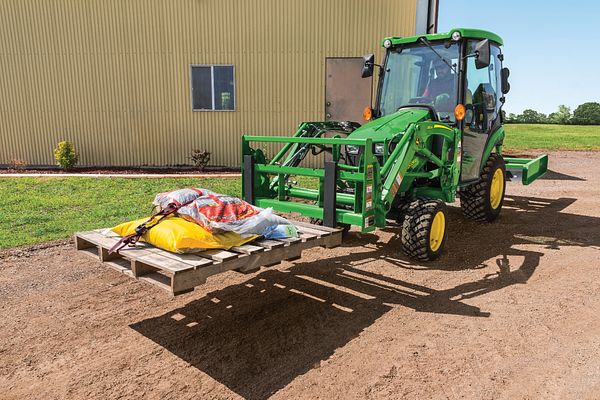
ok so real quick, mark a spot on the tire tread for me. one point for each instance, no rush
(474, 198)
(417, 217)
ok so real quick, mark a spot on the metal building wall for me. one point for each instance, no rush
(113, 75)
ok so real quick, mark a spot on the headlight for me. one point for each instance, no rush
(387, 43)
(352, 149)
(456, 36)
(379, 149)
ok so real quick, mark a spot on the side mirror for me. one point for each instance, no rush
(504, 73)
(482, 51)
(367, 70)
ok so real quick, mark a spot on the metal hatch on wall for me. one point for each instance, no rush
(346, 93)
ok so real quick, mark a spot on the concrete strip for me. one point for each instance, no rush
(120, 175)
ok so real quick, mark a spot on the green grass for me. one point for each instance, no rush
(35, 210)
(552, 137)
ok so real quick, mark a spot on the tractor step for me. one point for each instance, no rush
(181, 273)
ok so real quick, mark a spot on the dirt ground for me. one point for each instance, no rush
(511, 311)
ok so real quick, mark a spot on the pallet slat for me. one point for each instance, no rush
(321, 228)
(307, 237)
(289, 240)
(220, 255)
(269, 244)
(248, 249)
(312, 231)
(191, 259)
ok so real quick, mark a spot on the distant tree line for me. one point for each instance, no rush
(585, 114)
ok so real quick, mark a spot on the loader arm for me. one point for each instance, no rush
(408, 160)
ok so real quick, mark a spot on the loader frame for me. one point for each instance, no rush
(373, 187)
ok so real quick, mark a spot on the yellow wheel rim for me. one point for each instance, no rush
(436, 234)
(497, 189)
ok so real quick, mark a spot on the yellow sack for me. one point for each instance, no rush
(178, 235)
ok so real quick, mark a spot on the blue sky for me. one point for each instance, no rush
(551, 47)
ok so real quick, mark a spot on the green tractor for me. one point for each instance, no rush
(435, 130)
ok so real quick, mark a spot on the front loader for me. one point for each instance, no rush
(434, 131)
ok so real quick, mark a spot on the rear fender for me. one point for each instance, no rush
(494, 143)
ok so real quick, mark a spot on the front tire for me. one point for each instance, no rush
(424, 229)
(482, 201)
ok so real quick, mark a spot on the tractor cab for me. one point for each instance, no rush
(457, 76)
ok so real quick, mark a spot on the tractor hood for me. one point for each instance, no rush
(386, 127)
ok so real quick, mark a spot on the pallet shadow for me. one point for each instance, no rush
(524, 220)
(257, 337)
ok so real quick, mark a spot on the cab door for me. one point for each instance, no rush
(346, 93)
(482, 103)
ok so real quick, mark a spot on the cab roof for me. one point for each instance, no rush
(464, 32)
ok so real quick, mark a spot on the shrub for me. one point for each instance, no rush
(200, 158)
(65, 154)
(17, 164)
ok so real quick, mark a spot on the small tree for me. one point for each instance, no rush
(562, 116)
(511, 118)
(587, 114)
(530, 116)
(65, 154)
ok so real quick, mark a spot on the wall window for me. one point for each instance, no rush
(213, 88)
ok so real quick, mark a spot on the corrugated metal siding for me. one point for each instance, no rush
(113, 75)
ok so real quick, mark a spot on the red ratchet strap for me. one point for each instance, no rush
(131, 240)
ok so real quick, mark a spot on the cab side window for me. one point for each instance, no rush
(482, 95)
(482, 103)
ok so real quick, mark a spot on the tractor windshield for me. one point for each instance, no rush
(417, 75)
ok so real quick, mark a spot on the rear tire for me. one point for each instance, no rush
(482, 201)
(424, 229)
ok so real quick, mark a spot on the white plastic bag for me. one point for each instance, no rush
(217, 212)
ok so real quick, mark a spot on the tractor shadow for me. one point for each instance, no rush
(258, 336)
(524, 220)
(557, 176)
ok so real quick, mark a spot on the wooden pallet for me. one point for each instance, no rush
(181, 273)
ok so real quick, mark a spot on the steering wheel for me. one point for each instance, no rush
(421, 100)
(432, 112)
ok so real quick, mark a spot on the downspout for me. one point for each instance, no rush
(432, 16)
